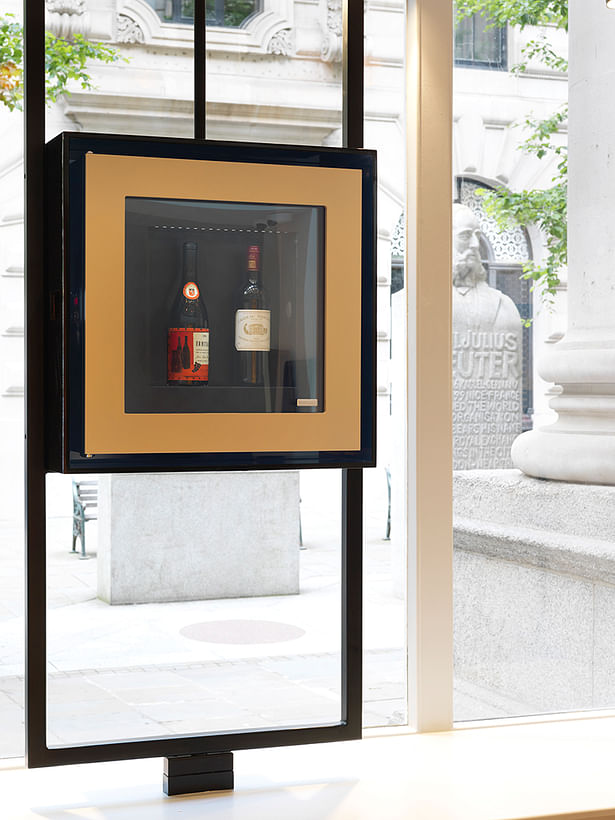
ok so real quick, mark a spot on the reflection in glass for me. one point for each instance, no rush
(226, 13)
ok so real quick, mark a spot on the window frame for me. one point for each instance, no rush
(502, 40)
(180, 19)
(38, 752)
(429, 84)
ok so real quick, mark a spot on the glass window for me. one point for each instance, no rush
(227, 13)
(178, 622)
(530, 634)
(266, 652)
(479, 43)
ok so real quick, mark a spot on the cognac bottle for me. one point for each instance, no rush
(252, 324)
(188, 332)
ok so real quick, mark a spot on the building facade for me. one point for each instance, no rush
(275, 75)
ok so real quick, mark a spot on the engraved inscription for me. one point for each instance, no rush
(487, 356)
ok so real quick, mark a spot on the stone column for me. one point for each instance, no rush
(580, 445)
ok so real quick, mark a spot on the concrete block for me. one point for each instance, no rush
(198, 536)
(524, 632)
(604, 647)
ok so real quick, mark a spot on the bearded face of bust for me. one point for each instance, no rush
(468, 269)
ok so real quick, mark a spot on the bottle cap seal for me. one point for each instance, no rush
(191, 290)
(254, 253)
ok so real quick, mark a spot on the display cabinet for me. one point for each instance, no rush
(211, 305)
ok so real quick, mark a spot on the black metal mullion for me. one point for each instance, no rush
(200, 69)
(353, 73)
(353, 56)
(352, 600)
(34, 230)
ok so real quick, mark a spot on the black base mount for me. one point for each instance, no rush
(198, 773)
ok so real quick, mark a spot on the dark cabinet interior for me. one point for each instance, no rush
(291, 242)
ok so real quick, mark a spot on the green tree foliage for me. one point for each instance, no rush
(65, 60)
(545, 208)
(517, 12)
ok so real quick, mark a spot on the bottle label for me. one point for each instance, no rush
(188, 354)
(191, 290)
(252, 329)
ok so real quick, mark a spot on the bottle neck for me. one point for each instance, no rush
(254, 258)
(189, 261)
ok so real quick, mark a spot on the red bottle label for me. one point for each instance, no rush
(188, 354)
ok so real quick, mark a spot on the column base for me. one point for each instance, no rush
(563, 455)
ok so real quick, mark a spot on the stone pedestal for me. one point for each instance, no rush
(534, 592)
(580, 445)
(198, 536)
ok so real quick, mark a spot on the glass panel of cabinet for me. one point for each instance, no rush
(224, 307)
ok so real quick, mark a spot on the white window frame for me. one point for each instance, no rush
(429, 73)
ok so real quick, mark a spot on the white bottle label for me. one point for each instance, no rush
(201, 347)
(252, 329)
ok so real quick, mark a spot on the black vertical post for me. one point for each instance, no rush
(34, 148)
(352, 598)
(200, 61)
(35, 255)
(352, 74)
(352, 479)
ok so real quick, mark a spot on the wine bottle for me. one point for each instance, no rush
(188, 330)
(252, 324)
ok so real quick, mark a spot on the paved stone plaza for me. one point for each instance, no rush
(150, 670)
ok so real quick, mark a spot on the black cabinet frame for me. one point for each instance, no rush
(37, 308)
(65, 369)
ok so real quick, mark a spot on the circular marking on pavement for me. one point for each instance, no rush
(242, 632)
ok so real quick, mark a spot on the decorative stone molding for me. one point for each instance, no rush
(332, 29)
(262, 33)
(128, 31)
(65, 18)
(66, 6)
(282, 43)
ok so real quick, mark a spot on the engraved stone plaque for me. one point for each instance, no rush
(487, 358)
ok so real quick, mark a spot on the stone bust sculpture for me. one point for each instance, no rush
(476, 305)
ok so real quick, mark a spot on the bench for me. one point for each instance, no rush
(85, 508)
